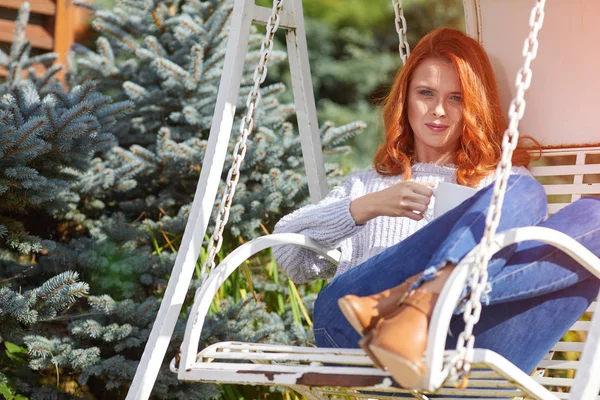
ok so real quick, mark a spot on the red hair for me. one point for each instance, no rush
(484, 121)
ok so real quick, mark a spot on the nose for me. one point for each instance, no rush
(438, 109)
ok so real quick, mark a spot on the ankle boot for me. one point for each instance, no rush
(398, 341)
(363, 312)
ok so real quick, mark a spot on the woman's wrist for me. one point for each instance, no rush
(362, 210)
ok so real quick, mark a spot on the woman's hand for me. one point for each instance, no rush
(400, 200)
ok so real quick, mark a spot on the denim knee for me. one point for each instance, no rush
(529, 193)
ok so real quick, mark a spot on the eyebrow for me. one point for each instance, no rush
(433, 90)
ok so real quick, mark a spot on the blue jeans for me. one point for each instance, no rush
(537, 291)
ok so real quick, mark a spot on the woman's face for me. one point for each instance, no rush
(435, 110)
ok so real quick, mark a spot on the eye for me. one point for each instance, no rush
(456, 98)
(425, 92)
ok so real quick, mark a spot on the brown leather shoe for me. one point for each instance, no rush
(363, 312)
(398, 341)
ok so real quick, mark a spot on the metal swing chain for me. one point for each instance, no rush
(401, 28)
(478, 275)
(246, 127)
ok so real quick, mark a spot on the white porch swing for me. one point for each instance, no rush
(564, 130)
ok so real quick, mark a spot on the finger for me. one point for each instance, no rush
(422, 190)
(414, 216)
(413, 206)
(419, 198)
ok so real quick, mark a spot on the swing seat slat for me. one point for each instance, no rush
(292, 365)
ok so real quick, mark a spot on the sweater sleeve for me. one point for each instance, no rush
(329, 222)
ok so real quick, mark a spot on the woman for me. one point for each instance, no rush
(443, 123)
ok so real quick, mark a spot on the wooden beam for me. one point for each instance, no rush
(46, 7)
(64, 34)
(39, 37)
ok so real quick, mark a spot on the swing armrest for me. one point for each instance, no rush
(252, 247)
(207, 291)
(450, 296)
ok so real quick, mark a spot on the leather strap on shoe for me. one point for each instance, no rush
(422, 301)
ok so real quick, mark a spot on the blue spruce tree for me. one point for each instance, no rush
(45, 131)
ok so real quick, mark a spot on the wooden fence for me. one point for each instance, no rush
(51, 25)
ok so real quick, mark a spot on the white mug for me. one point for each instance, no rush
(447, 196)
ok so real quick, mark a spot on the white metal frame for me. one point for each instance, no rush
(244, 14)
(206, 293)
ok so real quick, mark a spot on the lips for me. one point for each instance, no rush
(436, 127)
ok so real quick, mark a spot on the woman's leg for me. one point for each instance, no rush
(456, 232)
(540, 292)
(524, 331)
